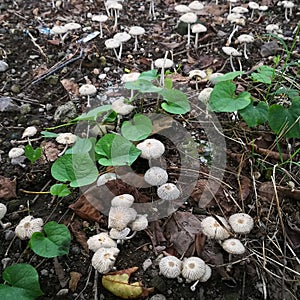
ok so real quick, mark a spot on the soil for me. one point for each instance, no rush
(270, 267)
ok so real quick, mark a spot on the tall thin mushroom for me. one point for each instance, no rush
(189, 18)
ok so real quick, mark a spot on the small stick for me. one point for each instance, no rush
(33, 39)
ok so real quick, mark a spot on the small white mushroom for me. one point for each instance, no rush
(152, 13)
(288, 5)
(3, 210)
(66, 138)
(101, 19)
(239, 10)
(27, 226)
(140, 223)
(16, 156)
(245, 39)
(163, 63)
(122, 108)
(156, 176)
(232, 52)
(193, 268)
(112, 44)
(121, 37)
(151, 148)
(136, 31)
(241, 223)
(124, 200)
(182, 9)
(253, 6)
(213, 228)
(133, 76)
(197, 74)
(212, 77)
(230, 4)
(116, 7)
(170, 266)
(120, 217)
(101, 240)
(119, 235)
(189, 18)
(204, 277)
(233, 246)
(168, 191)
(198, 28)
(87, 90)
(195, 6)
(104, 259)
(29, 132)
(60, 30)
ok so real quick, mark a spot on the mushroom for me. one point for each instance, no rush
(188, 18)
(120, 217)
(70, 27)
(198, 28)
(168, 191)
(193, 268)
(3, 210)
(104, 259)
(124, 200)
(112, 44)
(66, 138)
(245, 39)
(216, 228)
(102, 179)
(253, 6)
(60, 30)
(212, 77)
(151, 148)
(120, 235)
(203, 278)
(152, 10)
(230, 4)
(232, 52)
(239, 10)
(87, 90)
(204, 95)
(140, 223)
(170, 266)
(101, 19)
(121, 37)
(156, 176)
(122, 108)
(29, 132)
(16, 156)
(136, 31)
(116, 7)
(241, 223)
(27, 226)
(101, 240)
(197, 73)
(195, 6)
(233, 246)
(272, 28)
(133, 76)
(288, 5)
(182, 9)
(163, 63)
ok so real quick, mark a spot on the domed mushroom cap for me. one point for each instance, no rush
(122, 108)
(197, 73)
(112, 44)
(28, 226)
(207, 274)
(241, 223)
(29, 131)
(204, 95)
(240, 10)
(58, 29)
(3, 210)
(100, 18)
(168, 191)
(193, 268)
(189, 18)
(104, 259)
(122, 37)
(245, 38)
(213, 229)
(212, 77)
(101, 240)
(196, 5)
(136, 30)
(15, 152)
(163, 63)
(140, 223)
(231, 51)
(253, 5)
(72, 26)
(66, 138)
(156, 176)
(102, 179)
(120, 217)
(124, 200)
(87, 89)
(119, 234)
(170, 266)
(130, 77)
(198, 28)
(182, 9)
(151, 148)
(114, 5)
(233, 246)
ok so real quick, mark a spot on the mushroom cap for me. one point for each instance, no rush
(168, 191)
(253, 5)
(124, 200)
(241, 223)
(122, 108)
(140, 223)
(130, 77)
(120, 217)
(288, 4)
(136, 30)
(213, 76)
(102, 179)
(112, 44)
(104, 259)
(213, 229)
(119, 234)
(163, 63)
(87, 89)
(72, 26)
(207, 274)
(114, 5)
(234, 16)
(204, 95)
(27, 226)
(122, 37)
(170, 266)
(58, 29)
(101, 240)
(182, 9)
(189, 18)
(196, 5)
(199, 73)
(66, 138)
(231, 51)
(193, 268)
(15, 152)
(272, 28)
(3, 210)
(233, 246)
(263, 7)
(29, 131)
(156, 176)
(151, 148)
(245, 38)
(197, 28)
(240, 10)
(100, 18)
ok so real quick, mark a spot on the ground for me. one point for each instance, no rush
(270, 267)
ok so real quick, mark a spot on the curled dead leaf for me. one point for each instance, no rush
(7, 188)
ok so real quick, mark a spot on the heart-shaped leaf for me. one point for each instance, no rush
(139, 129)
(143, 86)
(148, 75)
(22, 283)
(229, 76)
(56, 242)
(32, 154)
(176, 101)
(60, 190)
(93, 114)
(255, 115)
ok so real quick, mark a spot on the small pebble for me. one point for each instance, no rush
(44, 272)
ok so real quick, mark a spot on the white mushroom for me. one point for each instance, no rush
(204, 95)
(121, 37)
(288, 5)
(204, 277)
(3, 210)
(104, 259)
(122, 108)
(16, 156)
(212, 77)
(245, 39)
(136, 31)
(233, 246)
(27, 226)
(66, 138)
(60, 30)
(116, 7)
(253, 6)
(232, 52)
(156, 176)
(112, 44)
(140, 223)
(151, 148)
(188, 18)
(101, 240)
(168, 191)
(193, 268)
(230, 4)
(216, 228)
(124, 200)
(163, 63)
(133, 76)
(119, 235)
(241, 223)
(29, 132)
(239, 10)
(120, 217)
(101, 19)
(197, 74)
(87, 90)
(102, 179)
(182, 9)
(170, 266)
(198, 28)
(152, 10)
(195, 6)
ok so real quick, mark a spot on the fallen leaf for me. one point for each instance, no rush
(50, 152)
(7, 188)
(245, 187)
(118, 284)
(70, 86)
(59, 271)
(79, 234)
(74, 279)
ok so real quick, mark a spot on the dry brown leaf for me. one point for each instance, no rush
(266, 191)
(59, 271)
(200, 239)
(79, 234)
(70, 86)
(246, 186)
(74, 279)
(7, 188)
(50, 152)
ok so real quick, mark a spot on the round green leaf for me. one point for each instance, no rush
(255, 115)
(60, 190)
(176, 101)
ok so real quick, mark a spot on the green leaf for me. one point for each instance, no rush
(229, 76)
(93, 114)
(55, 243)
(263, 74)
(115, 150)
(176, 101)
(48, 134)
(291, 93)
(60, 190)
(139, 129)
(287, 119)
(143, 86)
(22, 283)
(255, 114)
(149, 75)
(168, 83)
(81, 146)
(79, 169)
(223, 98)
(32, 154)
(110, 117)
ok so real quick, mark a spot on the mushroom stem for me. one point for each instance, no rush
(116, 54)
(116, 18)
(240, 64)
(189, 34)
(136, 43)
(120, 51)
(63, 151)
(101, 31)
(193, 287)
(196, 40)
(286, 14)
(235, 29)
(252, 14)
(152, 10)
(5, 225)
(88, 102)
(245, 51)
(231, 64)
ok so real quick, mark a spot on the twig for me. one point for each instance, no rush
(33, 39)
